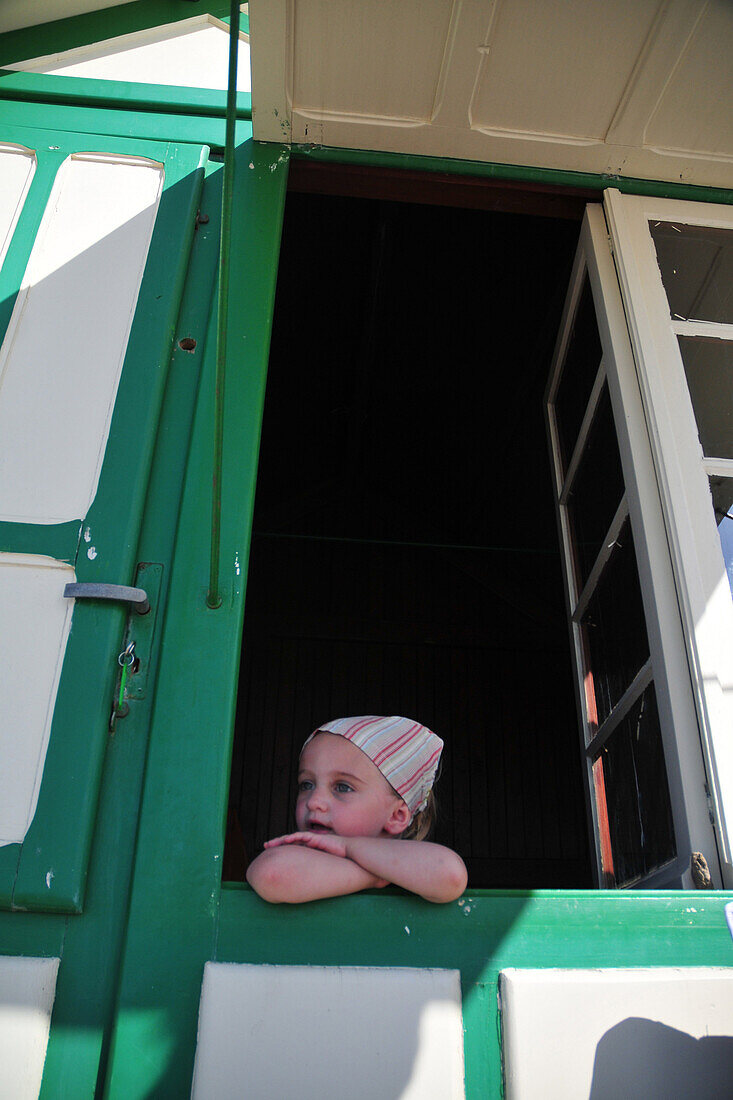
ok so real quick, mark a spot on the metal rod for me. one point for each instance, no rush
(398, 542)
(213, 596)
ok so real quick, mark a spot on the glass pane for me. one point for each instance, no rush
(582, 360)
(614, 628)
(696, 263)
(631, 773)
(709, 371)
(596, 490)
(722, 491)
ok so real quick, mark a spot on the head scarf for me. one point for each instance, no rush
(406, 753)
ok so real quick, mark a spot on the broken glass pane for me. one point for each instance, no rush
(696, 263)
(708, 364)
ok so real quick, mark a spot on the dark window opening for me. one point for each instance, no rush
(405, 555)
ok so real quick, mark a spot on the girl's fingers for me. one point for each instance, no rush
(289, 838)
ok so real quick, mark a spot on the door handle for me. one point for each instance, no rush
(138, 597)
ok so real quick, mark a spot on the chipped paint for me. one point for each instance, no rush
(87, 534)
(407, 930)
(49, 879)
(237, 566)
(92, 553)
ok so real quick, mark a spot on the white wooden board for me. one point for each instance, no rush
(639, 1034)
(17, 165)
(62, 356)
(36, 622)
(323, 1033)
(27, 991)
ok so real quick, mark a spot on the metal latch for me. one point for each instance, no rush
(138, 597)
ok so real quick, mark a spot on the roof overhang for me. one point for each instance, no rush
(616, 88)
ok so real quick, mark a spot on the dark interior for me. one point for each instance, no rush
(405, 555)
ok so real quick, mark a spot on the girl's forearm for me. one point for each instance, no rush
(292, 873)
(430, 870)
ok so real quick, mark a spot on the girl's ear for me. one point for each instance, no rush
(399, 819)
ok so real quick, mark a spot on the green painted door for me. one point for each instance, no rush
(97, 235)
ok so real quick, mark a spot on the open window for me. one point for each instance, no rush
(675, 261)
(404, 556)
(645, 768)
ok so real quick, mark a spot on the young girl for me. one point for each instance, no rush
(364, 789)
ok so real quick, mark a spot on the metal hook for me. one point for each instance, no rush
(127, 656)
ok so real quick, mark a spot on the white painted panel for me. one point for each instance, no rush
(27, 991)
(17, 165)
(604, 1034)
(322, 1033)
(566, 85)
(36, 622)
(61, 360)
(369, 71)
(559, 69)
(695, 114)
(193, 53)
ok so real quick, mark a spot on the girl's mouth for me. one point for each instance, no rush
(317, 827)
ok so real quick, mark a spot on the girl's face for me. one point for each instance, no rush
(341, 791)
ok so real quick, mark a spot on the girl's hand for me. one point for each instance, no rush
(324, 842)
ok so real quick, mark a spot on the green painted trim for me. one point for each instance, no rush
(213, 598)
(480, 935)
(97, 26)
(141, 126)
(9, 856)
(243, 22)
(54, 859)
(19, 250)
(513, 172)
(42, 936)
(119, 95)
(55, 540)
(181, 836)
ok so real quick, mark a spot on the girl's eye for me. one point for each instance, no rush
(343, 788)
(305, 785)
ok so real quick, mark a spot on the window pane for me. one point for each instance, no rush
(633, 775)
(596, 490)
(722, 491)
(696, 263)
(709, 370)
(614, 627)
(582, 360)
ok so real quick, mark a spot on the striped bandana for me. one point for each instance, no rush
(406, 753)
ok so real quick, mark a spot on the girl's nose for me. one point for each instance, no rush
(317, 799)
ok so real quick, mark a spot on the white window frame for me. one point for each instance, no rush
(668, 664)
(704, 593)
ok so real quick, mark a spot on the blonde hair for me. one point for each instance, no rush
(422, 822)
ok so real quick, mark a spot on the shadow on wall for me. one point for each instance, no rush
(645, 1060)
